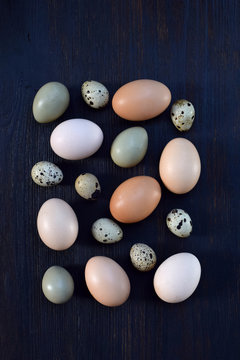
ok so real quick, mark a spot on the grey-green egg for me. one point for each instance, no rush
(143, 257)
(95, 94)
(106, 231)
(88, 186)
(50, 102)
(179, 223)
(45, 173)
(57, 285)
(182, 114)
(129, 147)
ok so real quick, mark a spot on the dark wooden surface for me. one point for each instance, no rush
(192, 47)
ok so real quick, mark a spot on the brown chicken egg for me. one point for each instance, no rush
(141, 100)
(180, 166)
(135, 199)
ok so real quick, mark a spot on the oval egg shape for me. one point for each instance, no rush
(57, 285)
(135, 199)
(177, 277)
(106, 280)
(141, 100)
(45, 173)
(129, 147)
(76, 139)
(106, 231)
(180, 166)
(50, 102)
(57, 224)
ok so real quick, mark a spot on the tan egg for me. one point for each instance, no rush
(141, 100)
(135, 199)
(87, 186)
(180, 166)
(57, 224)
(107, 281)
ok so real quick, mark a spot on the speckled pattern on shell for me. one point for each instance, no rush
(45, 173)
(179, 223)
(87, 186)
(143, 257)
(95, 94)
(183, 114)
(106, 231)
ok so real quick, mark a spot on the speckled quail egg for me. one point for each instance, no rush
(179, 223)
(45, 173)
(143, 257)
(106, 231)
(95, 94)
(182, 114)
(87, 186)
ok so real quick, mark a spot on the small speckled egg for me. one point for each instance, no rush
(106, 231)
(179, 223)
(57, 285)
(143, 257)
(182, 114)
(87, 186)
(45, 173)
(95, 94)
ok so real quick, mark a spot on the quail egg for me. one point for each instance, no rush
(45, 173)
(182, 114)
(87, 186)
(179, 223)
(143, 257)
(95, 94)
(106, 231)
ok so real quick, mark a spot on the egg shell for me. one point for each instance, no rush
(76, 139)
(87, 186)
(135, 199)
(50, 102)
(95, 94)
(141, 100)
(182, 114)
(177, 277)
(57, 285)
(179, 223)
(106, 231)
(143, 257)
(106, 280)
(57, 224)
(180, 166)
(45, 173)
(129, 147)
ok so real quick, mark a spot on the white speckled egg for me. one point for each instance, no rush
(106, 231)
(182, 114)
(45, 173)
(179, 223)
(143, 257)
(87, 186)
(95, 94)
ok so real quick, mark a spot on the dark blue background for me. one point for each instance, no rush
(192, 47)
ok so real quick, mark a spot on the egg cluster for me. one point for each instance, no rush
(132, 201)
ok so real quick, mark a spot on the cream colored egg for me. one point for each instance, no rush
(177, 277)
(87, 186)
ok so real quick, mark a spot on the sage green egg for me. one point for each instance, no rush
(129, 147)
(57, 285)
(50, 102)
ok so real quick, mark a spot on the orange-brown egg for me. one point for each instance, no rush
(141, 100)
(180, 166)
(135, 199)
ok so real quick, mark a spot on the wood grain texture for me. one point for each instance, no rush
(191, 46)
